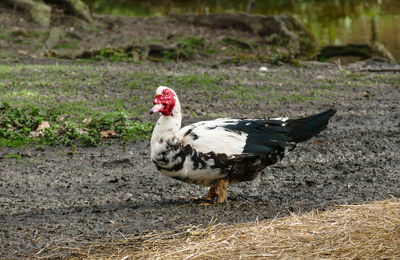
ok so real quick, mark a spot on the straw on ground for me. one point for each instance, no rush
(370, 230)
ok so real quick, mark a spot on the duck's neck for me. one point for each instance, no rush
(167, 126)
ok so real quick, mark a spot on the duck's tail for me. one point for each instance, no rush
(303, 129)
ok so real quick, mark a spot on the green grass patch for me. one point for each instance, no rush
(79, 91)
(244, 93)
(19, 127)
(326, 87)
(150, 81)
(93, 29)
(38, 33)
(239, 43)
(12, 156)
(67, 45)
(112, 54)
(186, 48)
(203, 81)
(296, 98)
(4, 142)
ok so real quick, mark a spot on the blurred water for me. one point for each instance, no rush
(331, 21)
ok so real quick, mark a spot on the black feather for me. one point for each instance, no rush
(304, 128)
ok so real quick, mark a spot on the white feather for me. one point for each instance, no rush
(213, 137)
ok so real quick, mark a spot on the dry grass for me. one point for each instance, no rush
(370, 230)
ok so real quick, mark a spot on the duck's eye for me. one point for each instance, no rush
(167, 94)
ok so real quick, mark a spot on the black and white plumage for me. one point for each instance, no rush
(217, 152)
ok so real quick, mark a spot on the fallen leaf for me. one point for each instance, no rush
(43, 126)
(84, 131)
(62, 118)
(35, 134)
(108, 133)
(321, 141)
(87, 120)
(40, 129)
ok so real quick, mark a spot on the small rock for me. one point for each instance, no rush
(263, 69)
(38, 11)
(114, 180)
(366, 94)
(22, 52)
(55, 37)
(80, 9)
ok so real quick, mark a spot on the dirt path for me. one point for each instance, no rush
(59, 197)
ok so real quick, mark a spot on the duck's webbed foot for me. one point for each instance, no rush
(218, 190)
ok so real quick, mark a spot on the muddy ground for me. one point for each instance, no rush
(56, 198)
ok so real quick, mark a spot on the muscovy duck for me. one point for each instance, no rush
(221, 151)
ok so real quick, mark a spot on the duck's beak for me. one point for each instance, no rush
(156, 108)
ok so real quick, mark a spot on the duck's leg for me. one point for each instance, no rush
(223, 185)
(212, 192)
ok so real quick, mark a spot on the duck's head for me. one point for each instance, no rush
(165, 100)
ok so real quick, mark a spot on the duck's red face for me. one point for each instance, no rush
(164, 103)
